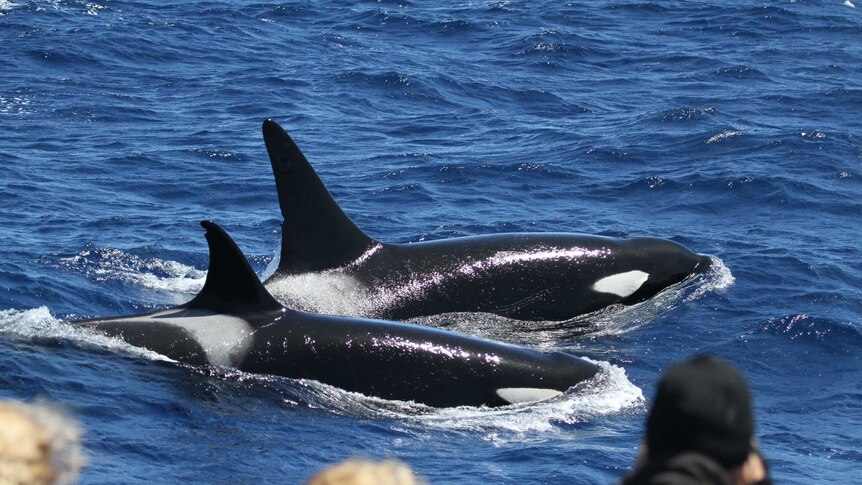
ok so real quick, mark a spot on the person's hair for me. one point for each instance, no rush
(38, 445)
(702, 404)
(366, 472)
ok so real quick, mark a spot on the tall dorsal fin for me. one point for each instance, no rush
(231, 283)
(316, 234)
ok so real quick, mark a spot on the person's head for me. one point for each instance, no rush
(38, 446)
(366, 472)
(702, 405)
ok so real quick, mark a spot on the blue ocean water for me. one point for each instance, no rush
(731, 127)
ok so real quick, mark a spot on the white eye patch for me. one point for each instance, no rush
(622, 284)
(517, 395)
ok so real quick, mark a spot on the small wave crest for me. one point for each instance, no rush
(716, 280)
(154, 273)
(332, 293)
(38, 323)
(19, 104)
(724, 135)
(608, 393)
(811, 330)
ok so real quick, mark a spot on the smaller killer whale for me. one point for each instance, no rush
(235, 322)
(530, 277)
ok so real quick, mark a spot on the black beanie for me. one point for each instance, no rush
(702, 405)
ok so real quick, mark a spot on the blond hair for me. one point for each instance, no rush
(366, 472)
(38, 445)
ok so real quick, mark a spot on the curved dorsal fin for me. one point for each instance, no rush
(316, 234)
(231, 283)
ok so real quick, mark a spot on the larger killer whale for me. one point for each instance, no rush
(533, 277)
(235, 322)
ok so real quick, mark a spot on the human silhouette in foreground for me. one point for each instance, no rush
(700, 429)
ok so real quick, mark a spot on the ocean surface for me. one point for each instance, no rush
(734, 128)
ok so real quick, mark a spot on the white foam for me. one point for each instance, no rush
(153, 273)
(92, 8)
(175, 284)
(15, 105)
(39, 323)
(330, 292)
(718, 279)
(624, 319)
(723, 136)
(334, 292)
(608, 393)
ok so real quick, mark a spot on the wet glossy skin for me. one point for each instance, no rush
(407, 362)
(520, 276)
(234, 322)
(376, 358)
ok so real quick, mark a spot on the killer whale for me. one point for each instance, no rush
(530, 276)
(235, 322)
